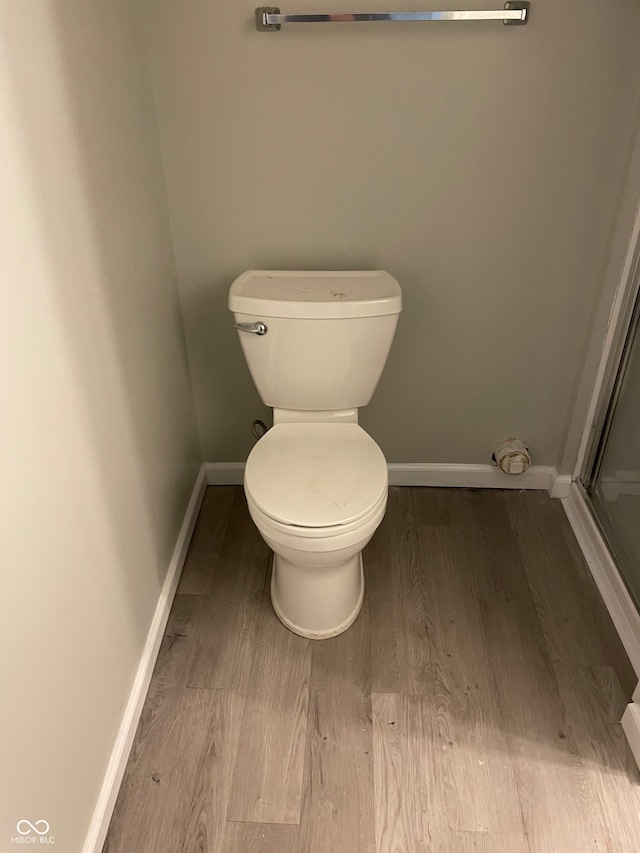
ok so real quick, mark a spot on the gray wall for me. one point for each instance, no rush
(99, 449)
(481, 165)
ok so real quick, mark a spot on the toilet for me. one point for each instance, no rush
(316, 483)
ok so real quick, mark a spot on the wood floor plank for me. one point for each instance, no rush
(615, 653)
(493, 722)
(268, 774)
(260, 838)
(562, 594)
(395, 578)
(594, 702)
(404, 791)
(478, 842)
(472, 767)
(180, 621)
(337, 809)
(548, 768)
(548, 765)
(174, 795)
(170, 672)
(197, 575)
(226, 621)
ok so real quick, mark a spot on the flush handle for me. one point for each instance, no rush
(259, 328)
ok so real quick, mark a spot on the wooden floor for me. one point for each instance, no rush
(473, 705)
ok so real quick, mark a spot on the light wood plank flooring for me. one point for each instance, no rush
(473, 706)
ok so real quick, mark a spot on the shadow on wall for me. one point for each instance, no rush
(109, 453)
(91, 144)
(117, 455)
(219, 367)
(119, 476)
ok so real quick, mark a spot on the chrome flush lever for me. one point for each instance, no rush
(255, 328)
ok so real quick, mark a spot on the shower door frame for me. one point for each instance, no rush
(598, 552)
(591, 537)
(623, 317)
(621, 335)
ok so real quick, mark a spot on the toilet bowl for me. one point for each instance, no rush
(316, 493)
(316, 484)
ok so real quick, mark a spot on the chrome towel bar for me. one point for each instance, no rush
(269, 17)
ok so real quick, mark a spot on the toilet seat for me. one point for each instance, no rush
(318, 537)
(316, 476)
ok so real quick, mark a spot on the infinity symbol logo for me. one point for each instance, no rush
(32, 828)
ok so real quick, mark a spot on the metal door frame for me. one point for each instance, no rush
(623, 323)
(608, 403)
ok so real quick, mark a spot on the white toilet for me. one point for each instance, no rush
(316, 484)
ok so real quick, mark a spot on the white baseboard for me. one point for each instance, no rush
(432, 474)
(560, 484)
(134, 704)
(467, 476)
(622, 610)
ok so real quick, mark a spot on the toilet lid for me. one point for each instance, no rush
(316, 475)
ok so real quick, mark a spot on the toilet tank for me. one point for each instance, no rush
(328, 334)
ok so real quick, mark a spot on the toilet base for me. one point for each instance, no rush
(317, 603)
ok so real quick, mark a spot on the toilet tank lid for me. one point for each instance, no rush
(315, 294)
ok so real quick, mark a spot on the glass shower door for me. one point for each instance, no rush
(614, 489)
